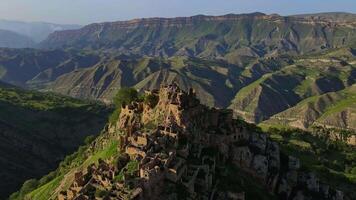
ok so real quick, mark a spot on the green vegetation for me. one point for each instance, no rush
(326, 109)
(206, 37)
(130, 169)
(101, 193)
(44, 188)
(224, 61)
(333, 161)
(236, 180)
(123, 97)
(42, 122)
(151, 100)
(38, 101)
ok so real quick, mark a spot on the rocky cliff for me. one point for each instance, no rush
(178, 148)
(210, 36)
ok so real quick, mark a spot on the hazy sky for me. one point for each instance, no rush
(88, 11)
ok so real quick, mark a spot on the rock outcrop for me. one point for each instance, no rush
(181, 147)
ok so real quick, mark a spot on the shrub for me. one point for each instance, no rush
(101, 193)
(27, 187)
(353, 171)
(114, 116)
(151, 100)
(88, 140)
(125, 96)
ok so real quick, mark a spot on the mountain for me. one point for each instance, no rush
(173, 147)
(334, 16)
(258, 65)
(256, 90)
(37, 31)
(225, 36)
(38, 130)
(333, 109)
(14, 40)
(308, 77)
(274, 71)
(97, 75)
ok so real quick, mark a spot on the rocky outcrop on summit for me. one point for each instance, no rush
(181, 147)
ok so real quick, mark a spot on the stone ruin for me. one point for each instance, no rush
(187, 146)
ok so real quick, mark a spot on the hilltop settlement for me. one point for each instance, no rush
(173, 147)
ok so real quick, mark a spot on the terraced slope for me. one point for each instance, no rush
(38, 130)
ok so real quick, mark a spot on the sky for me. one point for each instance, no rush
(90, 11)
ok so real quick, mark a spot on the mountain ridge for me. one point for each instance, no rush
(37, 31)
(209, 36)
(14, 40)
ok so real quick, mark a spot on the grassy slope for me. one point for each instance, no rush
(308, 77)
(104, 147)
(316, 109)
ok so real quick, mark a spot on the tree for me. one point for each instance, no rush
(123, 96)
(151, 100)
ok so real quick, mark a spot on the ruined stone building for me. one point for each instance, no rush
(183, 147)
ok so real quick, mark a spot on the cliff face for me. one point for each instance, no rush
(209, 36)
(180, 149)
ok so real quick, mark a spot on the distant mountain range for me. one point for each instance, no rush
(12, 39)
(226, 37)
(274, 71)
(259, 65)
(26, 34)
(257, 91)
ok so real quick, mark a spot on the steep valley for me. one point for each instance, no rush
(256, 91)
(38, 130)
(270, 100)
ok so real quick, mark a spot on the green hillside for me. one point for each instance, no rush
(308, 77)
(37, 130)
(229, 36)
(334, 109)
